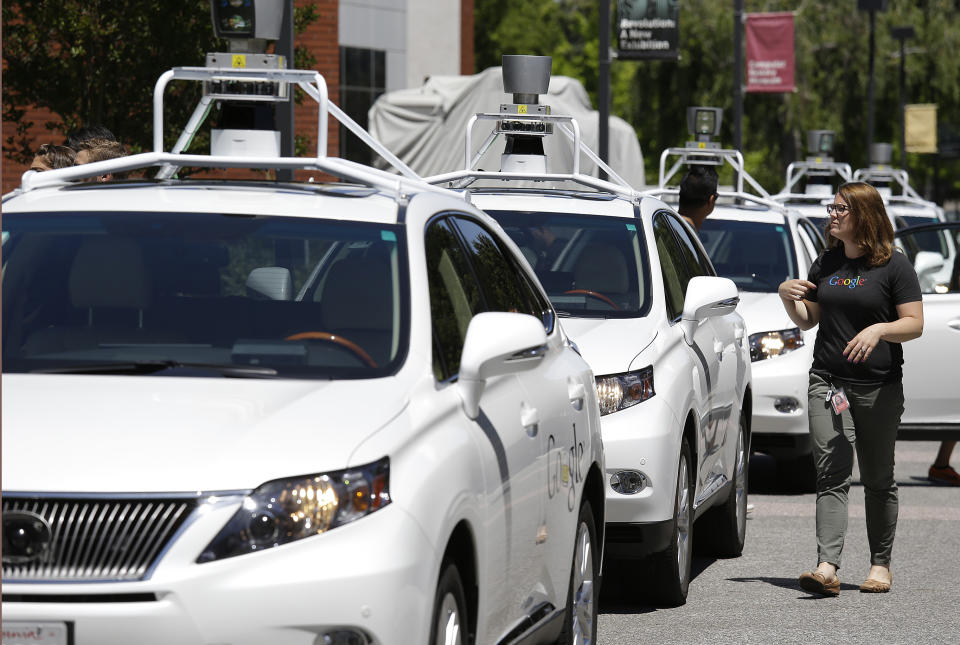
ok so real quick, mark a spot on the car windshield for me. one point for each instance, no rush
(757, 256)
(589, 265)
(202, 294)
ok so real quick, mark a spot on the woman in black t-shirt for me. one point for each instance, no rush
(866, 299)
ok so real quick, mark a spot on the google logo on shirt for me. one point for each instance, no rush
(853, 283)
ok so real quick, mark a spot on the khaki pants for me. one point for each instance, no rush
(870, 424)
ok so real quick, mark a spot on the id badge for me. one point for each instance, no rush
(839, 401)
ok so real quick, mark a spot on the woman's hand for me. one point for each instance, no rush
(795, 290)
(859, 349)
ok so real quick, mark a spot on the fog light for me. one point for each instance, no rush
(343, 637)
(628, 482)
(786, 404)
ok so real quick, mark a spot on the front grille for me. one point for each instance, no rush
(98, 539)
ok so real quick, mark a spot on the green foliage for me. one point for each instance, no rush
(96, 61)
(832, 65)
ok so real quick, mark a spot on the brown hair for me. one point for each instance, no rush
(872, 227)
(56, 156)
(105, 150)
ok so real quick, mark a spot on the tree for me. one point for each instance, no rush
(831, 66)
(96, 61)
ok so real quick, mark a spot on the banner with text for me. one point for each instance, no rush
(770, 62)
(647, 29)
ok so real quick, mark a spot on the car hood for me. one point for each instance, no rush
(763, 312)
(95, 433)
(609, 345)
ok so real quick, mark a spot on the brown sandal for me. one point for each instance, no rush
(875, 586)
(815, 582)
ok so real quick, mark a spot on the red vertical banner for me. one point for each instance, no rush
(770, 62)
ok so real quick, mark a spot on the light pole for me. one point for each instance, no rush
(873, 6)
(902, 33)
(603, 87)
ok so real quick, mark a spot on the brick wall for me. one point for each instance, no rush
(321, 38)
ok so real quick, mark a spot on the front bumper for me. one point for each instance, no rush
(644, 438)
(784, 380)
(370, 576)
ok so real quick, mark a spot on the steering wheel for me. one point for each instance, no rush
(336, 340)
(594, 294)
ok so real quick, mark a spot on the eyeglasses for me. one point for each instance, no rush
(841, 209)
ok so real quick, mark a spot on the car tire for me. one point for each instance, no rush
(671, 567)
(580, 617)
(726, 525)
(450, 624)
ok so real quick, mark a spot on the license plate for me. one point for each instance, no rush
(23, 633)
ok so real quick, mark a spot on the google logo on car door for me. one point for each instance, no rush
(853, 283)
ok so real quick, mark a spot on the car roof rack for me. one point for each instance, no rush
(814, 167)
(697, 155)
(886, 174)
(567, 125)
(311, 82)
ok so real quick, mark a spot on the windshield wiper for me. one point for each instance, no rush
(152, 367)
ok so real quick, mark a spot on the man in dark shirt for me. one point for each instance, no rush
(698, 194)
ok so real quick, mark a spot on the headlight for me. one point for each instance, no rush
(768, 344)
(617, 392)
(290, 509)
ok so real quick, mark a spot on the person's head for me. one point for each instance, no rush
(858, 217)
(698, 189)
(542, 235)
(50, 157)
(89, 137)
(104, 151)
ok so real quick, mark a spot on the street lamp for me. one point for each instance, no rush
(902, 33)
(873, 6)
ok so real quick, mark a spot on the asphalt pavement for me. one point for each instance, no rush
(756, 598)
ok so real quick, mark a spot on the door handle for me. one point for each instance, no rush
(954, 324)
(530, 419)
(577, 393)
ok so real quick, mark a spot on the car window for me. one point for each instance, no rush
(500, 280)
(937, 264)
(757, 256)
(87, 289)
(589, 265)
(676, 275)
(454, 296)
(814, 236)
(697, 262)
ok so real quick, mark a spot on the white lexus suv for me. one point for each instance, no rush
(638, 295)
(302, 413)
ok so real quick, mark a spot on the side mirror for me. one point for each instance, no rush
(927, 262)
(270, 283)
(707, 296)
(497, 343)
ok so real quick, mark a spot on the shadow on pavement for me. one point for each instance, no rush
(626, 584)
(791, 583)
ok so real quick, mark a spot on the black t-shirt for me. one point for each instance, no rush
(852, 296)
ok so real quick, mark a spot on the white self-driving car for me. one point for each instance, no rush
(758, 243)
(287, 413)
(637, 294)
(930, 369)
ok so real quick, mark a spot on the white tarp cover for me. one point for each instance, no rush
(425, 126)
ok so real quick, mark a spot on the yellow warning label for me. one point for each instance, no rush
(521, 109)
(239, 60)
(701, 144)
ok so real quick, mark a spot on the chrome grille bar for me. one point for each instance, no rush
(98, 538)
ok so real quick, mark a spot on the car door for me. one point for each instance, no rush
(533, 411)
(930, 369)
(513, 461)
(728, 334)
(703, 352)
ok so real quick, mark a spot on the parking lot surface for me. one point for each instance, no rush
(756, 598)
